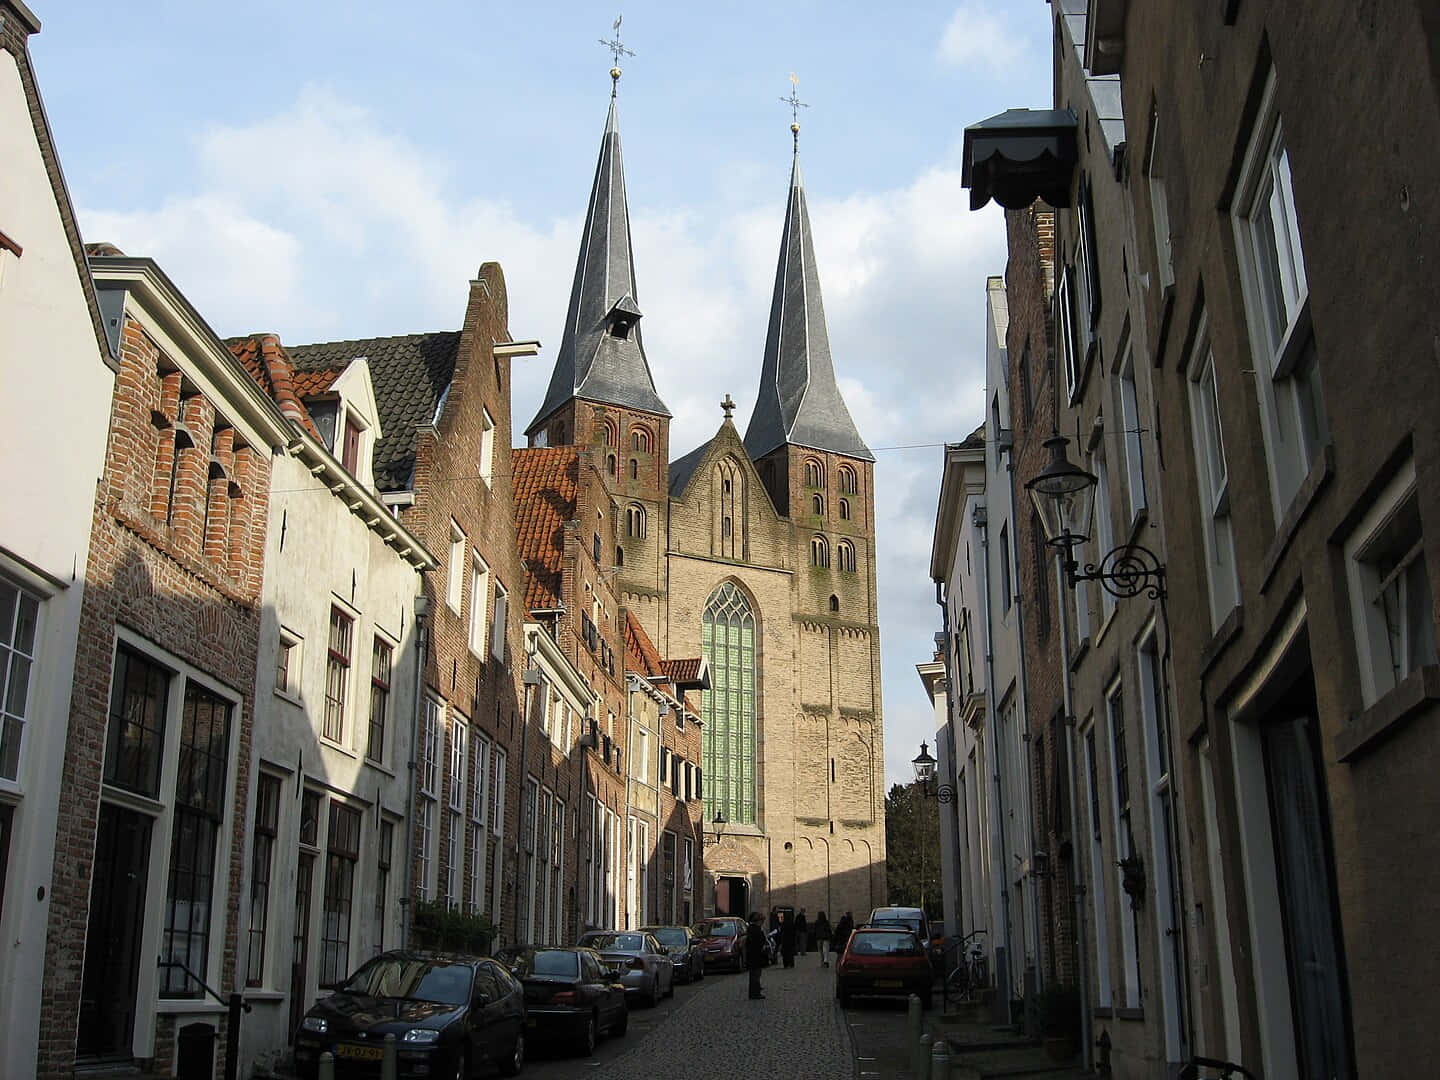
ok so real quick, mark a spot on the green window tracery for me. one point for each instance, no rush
(727, 638)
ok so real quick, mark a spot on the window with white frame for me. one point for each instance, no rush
(1070, 357)
(337, 674)
(287, 663)
(1272, 272)
(1124, 838)
(1391, 604)
(429, 783)
(1159, 204)
(262, 859)
(454, 859)
(1098, 869)
(1212, 481)
(497, 627)
(1087, 276)
(1104, 522)
(1129, 433)
(497, 803)
(557, 862)
(455, 569)
(1007, 587)
(381, 657)
(487, 446)
(640, 760)
(341, 854)
(424, 837)
(430, 749)
(459, 737)
(19, 618)
(479, 602)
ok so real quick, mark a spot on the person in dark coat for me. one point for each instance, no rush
(842, 933)
(787, 939)
(822, 937)
(802, 942)
(755, 953)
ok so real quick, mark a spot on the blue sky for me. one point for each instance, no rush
(334, 170)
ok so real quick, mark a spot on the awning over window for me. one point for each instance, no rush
(1018, 156)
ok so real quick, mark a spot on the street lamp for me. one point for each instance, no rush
(1064, 496)
(925, 773)
(719, 823)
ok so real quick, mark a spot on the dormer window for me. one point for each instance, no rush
(350, 452)
(622, 318)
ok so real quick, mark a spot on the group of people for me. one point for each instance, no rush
(792, 936)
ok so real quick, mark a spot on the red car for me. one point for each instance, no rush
(884, 962)
(722, 942)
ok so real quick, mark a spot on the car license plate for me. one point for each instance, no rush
(359, 1053)
(889, 984)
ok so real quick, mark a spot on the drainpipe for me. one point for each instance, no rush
(521, 885)
(1076, 892)
(422, 609)
(999, 893)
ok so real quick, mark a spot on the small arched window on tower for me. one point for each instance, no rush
(640, 440)
(814, 473)
(610, 436)
(819, 551)
(610, 464)
(817, 504)
(635, 521)
(848, 482)
(619, 556)
(845, 553)
(834, 604)
(727, 528)
(844, 509)
(634, 468)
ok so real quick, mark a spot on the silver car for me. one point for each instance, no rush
(684, 948)
(645, 967)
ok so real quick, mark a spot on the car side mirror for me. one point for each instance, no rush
(481, 999)
(612, 973)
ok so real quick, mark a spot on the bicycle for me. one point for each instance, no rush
(970, 973)
(1227, 1070)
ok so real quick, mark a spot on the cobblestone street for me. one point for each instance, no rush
(713, 1031)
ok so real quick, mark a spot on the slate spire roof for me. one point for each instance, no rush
(601, 357)
(799, 401)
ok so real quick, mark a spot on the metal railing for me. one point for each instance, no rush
(235, 1003)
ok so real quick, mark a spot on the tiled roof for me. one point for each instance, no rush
(641, 656)
(547, 482)
(688, 674)
(311, 383)
(410, 374)
(682, 468)
(266, 361)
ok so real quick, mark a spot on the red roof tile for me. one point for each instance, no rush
(641, 656)
(547, 482)
(688, 674)
(265, 360)
(313, 383)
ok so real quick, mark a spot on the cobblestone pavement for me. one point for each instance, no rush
(716, 1032)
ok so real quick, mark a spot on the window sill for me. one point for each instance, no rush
(1309, 491)
(331, 744)
(1415, 693)
(1078, 654)
(259, 995)
(293, 699)
(380, 766)
(1228, 630)
(190, 1007)
(1130, 1014)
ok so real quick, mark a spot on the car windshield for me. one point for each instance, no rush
(717, 929)
(884, 944)
(414, 978)
(670, 935)
(614, 942)
(525, 962)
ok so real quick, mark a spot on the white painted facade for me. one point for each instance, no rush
(54, 413)
(332, 551)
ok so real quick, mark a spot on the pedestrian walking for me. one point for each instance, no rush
(842, 934)
(755, 953)
(787, 939)
(822, 938)
(802, 932)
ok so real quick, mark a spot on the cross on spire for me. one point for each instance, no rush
(728, 406)
(795, 106)
(617, 50)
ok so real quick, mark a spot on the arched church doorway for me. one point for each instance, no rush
(732, 896)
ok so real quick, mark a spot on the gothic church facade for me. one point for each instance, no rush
(755, 550)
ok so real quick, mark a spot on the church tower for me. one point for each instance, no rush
(820, 476)
(601, 394)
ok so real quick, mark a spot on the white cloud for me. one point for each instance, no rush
(976, 36)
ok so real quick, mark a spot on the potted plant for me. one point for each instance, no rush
(442, 928)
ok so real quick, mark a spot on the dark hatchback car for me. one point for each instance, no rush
(570, 992)
(722, 940)
(686, 953)
(450, 1015)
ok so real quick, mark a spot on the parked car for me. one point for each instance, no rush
(450, 1016)
(912, 918)
(884, 961)
(722, 940)
(686, 955)
(569, 992)
(645, 968)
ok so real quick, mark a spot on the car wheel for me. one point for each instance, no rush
(589, 1035)
(462, 1067)
(516, 1061)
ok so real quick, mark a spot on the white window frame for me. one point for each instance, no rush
(1212, 478)
(479, 602)
(1129, 936)
(498, 635)
(292, 646)
(1070, 360)
(455, 568)
(1129, 436)
(429, 779)
(487, 446)
(425, 830)
(459, 732)
(1218, 917)
(1104, 522)
(1292, 411)
(1159, 206)
(1089, 747)
(454, 859)
(479, 826)
(15, 663)
(1388, 654)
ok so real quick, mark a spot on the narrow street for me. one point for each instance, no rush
(712, 1031)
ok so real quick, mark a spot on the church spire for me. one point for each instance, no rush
(799, 401)
(601, 356)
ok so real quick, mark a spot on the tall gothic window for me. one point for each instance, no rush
(727, 637)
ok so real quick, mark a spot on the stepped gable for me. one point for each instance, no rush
(547, 486)
(410, 374)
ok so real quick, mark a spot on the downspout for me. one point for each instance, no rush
(521, 893)
(1023, 701)
(1076, 891)
(422, 608)
(997, 818)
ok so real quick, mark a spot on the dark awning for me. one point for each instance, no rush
(1018, 156)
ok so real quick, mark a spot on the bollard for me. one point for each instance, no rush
(940, 1061)
(326, 1068)
(914, 1026)
(923, 1073)
(389, 1063)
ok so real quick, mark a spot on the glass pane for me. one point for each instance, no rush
(18, 687)
(9, 595)
(10, 731)
(25, 623)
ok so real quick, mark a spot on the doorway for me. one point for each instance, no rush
(112, 940)
(732, 897)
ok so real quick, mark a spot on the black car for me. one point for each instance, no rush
(449, 1015)
(569, 991)
(683, 945)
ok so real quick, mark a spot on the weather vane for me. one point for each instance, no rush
(795, 106)
(617, 50)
